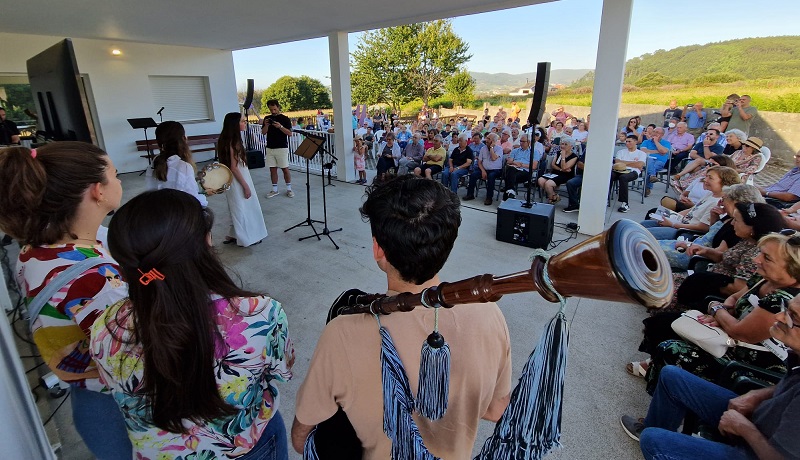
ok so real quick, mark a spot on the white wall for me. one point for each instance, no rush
(121, 87)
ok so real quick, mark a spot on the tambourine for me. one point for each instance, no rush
(215, 177)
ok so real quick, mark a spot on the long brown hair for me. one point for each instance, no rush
(231, 139)
(40, 196)
(171, 139)
(174, 318)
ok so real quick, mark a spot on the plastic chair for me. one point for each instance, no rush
(766, 154)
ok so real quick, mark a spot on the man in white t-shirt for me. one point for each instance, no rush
(628, 166)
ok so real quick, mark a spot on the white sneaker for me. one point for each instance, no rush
(624, 207)
(272, 193)
(290, 194)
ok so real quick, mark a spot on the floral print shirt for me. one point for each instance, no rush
(252, 350)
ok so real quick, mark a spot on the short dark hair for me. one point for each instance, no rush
(415, 221)
(632, 136)
(274, 102)
(651, 125)
(714, 129)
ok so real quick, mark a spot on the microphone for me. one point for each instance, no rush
(159, 111)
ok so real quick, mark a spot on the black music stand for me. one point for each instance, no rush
(307, 149)
(144, 123)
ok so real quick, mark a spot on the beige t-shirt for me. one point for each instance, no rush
(345, 370)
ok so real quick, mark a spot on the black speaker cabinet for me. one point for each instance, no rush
(248, 99)
(540, 93)
(531, 227)
(255, 159)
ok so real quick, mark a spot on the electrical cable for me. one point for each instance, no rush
(35, 367)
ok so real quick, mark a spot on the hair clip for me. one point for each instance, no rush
(150, 276)
(33, 153)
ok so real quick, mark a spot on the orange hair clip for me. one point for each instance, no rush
(150, 276)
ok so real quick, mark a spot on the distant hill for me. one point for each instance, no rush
(718, 62)
(505, 82)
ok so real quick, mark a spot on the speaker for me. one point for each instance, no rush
(539, 93)
(248, 99)
(531, 227)
(255, 159)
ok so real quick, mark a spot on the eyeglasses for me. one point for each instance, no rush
(789, 315)
(794, 238)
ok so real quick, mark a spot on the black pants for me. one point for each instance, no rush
(513, 176)
(384, 164)
(697, 286)
(623, 179)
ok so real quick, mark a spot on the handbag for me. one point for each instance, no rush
(712, 339)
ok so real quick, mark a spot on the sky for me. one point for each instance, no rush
(564, 33)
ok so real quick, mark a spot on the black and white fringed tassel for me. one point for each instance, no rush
(530, 427)
(434, 374)
(309, 447)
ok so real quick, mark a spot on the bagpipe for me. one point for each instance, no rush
(623, 264)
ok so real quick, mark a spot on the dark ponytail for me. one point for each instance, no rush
(174, 318)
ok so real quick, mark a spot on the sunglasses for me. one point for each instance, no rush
(794, 238)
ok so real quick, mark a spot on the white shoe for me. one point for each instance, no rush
(272, 194)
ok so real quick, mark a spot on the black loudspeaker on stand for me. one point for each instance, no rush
(531, 227)
(255, 157)
(307, 149)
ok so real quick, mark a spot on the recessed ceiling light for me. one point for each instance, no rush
(116, 52)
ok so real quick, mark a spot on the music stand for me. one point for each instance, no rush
(144, 123)
(308, 149)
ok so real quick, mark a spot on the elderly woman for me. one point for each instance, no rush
(695, 191)
(748, 159)
(562, 170)
(745, 316)
(720, 236)
(734, 138)
(389, 154)
(698, 217)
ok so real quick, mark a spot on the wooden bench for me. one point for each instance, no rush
(200, 143)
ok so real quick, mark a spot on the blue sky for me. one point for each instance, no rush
(564, 33)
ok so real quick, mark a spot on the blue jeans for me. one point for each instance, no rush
(574, 190)
(491, 176)
(679, 391)
(450, 179)
(661, 233)
(653, 166)
(272, 445)
(99, 421)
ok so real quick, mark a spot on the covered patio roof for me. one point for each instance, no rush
(234, 25)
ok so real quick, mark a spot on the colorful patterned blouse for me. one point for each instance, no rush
(255, 350)
(61, 331)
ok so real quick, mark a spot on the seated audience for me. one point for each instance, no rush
(734, 138)
(658, 151)
(518, 166)
(191, 358)
(682, 142)
(412, 155)
(433, 160)
(405, 215)
(563, 166)
(458, 164)
(700, 153)
(388, 156)
(787, 190)
(692, 183)
(628, 165)
(490, 166)
(574, 186)
(698, 217)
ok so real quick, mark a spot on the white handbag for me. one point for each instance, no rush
(712, 339)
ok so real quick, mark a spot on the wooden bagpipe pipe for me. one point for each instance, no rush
(623, 264)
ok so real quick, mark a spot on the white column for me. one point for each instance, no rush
(606, 98)
(342, 105)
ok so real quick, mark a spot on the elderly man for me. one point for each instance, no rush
(505, 141)
(628, 166)
(787, 190)
(560, 115)
(458, 164)
(759, 424)
(433, 160)
(518, 166)
(695, 117)
(490, 166)
(658, 151)
(9, 134)
(742, 114)
(362, 130)
(412, 155)
(682, 142)
(414, 226)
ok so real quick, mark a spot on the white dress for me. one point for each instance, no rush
(180, 176)
(247, 221)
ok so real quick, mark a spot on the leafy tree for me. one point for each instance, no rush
(652, 79)
(460, 87)
(398, 64)
(294, 93)
(18, 99)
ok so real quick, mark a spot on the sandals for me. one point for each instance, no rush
(554, 199)
(229, 241)
(635, 368)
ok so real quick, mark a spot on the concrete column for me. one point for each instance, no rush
(606, 97)
(342, 105)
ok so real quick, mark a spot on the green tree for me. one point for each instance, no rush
(398, 64)
(294, 93)
(460, 87)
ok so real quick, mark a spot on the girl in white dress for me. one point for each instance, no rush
(173, 167)
(247, 221)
